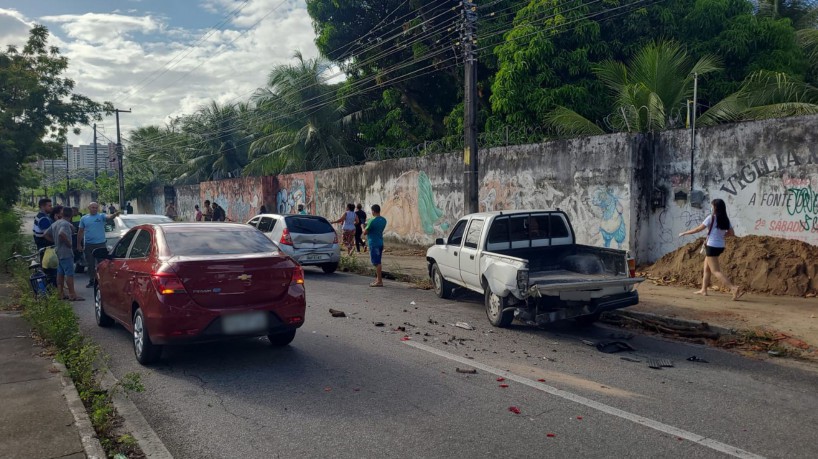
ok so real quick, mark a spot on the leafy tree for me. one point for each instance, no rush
(108, 187)
(649, 94)
(298, 120)
(38, 106)
(217, 143)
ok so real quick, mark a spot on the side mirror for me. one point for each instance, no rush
(101, 253)
(440, 241)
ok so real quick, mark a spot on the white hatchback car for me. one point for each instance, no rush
(114, 230)
(310, 240)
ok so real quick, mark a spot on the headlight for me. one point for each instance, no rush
(522, 280)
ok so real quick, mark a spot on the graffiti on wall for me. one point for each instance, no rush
(410, 206)
(241, 198)
(612, 225)
(294, 190)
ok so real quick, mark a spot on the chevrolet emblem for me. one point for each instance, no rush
(245, 277)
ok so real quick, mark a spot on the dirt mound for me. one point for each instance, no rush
(759, 263)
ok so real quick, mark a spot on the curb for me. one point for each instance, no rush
(88, 436)
(721, 330)
(147, 438)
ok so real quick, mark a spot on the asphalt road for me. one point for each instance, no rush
(347, 388)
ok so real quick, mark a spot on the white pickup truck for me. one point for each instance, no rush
(528, 265)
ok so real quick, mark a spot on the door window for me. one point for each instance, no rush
(473, 235)
(141, 245)
(266, 224)
(121, 249)
(254, 222)
(498, 238)
(456, 236)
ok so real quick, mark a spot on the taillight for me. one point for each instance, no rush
(631, 267)
(286, 239)
(167, 283)
(298, 276)
(335, 241)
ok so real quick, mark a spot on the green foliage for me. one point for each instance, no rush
(10, 238)
(38, 106)
(108, 187)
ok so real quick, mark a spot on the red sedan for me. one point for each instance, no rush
(192, 282)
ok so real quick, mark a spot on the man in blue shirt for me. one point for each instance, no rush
(91, 236)
(42, 222)
(374, 236)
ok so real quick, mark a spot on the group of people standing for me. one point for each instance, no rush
(212, 212)
(354, 225)
(59, 227)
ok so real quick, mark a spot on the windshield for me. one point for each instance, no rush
(147, 219)
(222, 242)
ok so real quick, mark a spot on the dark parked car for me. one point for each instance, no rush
(192, 282)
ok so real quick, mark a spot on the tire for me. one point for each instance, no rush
(587, 320)
(443, 288)
(103, 320)
(494, 310)
(329, 268)
(145, 351)
(281, 339)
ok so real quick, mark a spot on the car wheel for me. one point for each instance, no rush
(443, 288)
(103, 320)
(329, 268)
(587, 319)
(282, 339)
(145, 351)
(495, 307)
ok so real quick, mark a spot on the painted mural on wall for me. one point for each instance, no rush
(241, 197)
(294, 190)
(410, 205)
(598, 213)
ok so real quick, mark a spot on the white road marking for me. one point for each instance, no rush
(641, 420)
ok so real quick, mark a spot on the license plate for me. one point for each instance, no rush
(236, 324)
(314, 257)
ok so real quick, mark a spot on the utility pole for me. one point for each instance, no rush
(471, 176)
(96, 161)
(119, 160)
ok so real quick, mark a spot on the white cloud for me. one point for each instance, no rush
(14, 28)
(158, 71)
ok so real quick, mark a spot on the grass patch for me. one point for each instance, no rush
(355, 265)
(56, 324)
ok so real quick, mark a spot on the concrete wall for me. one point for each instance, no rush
(186, 197)
(628, 191)
(766, 172)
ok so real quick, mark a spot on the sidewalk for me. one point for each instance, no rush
(797, 317)
(35, 420)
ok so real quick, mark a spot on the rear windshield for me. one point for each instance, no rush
(223, 242)
(131, 222)
(308, 225)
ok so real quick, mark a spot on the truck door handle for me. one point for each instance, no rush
(471, 257)
(455, 254)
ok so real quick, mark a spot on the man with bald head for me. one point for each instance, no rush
(91, 236)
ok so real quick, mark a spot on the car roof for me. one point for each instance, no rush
(138, 216)
(201, 227)
(286, 215)
(512, 212)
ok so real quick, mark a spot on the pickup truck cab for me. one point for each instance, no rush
(528, 265)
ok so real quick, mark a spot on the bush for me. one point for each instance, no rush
(10, 238)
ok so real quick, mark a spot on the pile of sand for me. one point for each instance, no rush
(761, 264)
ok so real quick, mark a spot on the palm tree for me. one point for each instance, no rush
(649, 94)
(217, 142)
(300, 120)
(764, 95)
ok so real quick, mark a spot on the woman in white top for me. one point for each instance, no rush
(348, 228)
(718, 228)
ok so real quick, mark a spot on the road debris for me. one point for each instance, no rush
(579, 417)
(501, 379)
(618, 336)
(468, 371)
(379, 324)
(504, 386)
(694, 358)
(337, 313)
(433, 321)
(412, 303)
(540, 380)
(550, 435)
(401, 329)
(405, 338)
(657, 364)
(588, 343)
(328, 389)
(774, 353)
(514, 409)
(629, 359)
(463, 325)
(612, 347)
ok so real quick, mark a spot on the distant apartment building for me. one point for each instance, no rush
(83, 157)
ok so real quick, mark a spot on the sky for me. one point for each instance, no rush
(164, 58)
